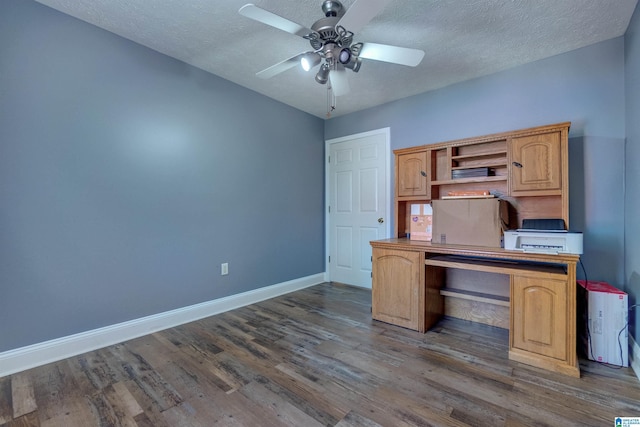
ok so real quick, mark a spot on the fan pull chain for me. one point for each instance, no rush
(331, 101)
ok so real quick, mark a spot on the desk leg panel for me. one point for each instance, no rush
(434, 301)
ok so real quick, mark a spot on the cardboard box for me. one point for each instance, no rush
(476, 222)
(602, 322)
(421, 222)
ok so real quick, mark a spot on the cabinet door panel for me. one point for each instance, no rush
(536, 163)
(412, 174)
(539, 318)
(396, 287)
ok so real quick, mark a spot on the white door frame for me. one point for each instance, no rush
(327, 150)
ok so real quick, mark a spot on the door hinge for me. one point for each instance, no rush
(329, 159)
(329, 259)
(329, 207)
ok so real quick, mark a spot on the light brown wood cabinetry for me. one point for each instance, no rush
(529, 169)
(543, 316)
(398, 293)
(542, 306)
(538, 312)
(536, 164)
(412, 176)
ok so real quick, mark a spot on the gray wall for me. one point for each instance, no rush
(632, 170)
(127, 177)
(585, 87)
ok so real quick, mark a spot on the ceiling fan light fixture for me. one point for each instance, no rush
(352, 62)
(344, 56)
(323, 74)
(309, 61)
(332, 46)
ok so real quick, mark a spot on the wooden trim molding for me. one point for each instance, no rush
(23, 358)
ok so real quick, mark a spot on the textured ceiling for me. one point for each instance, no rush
(461, 40)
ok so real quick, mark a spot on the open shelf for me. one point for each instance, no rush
(473, 179)
(475, 296)
(492, 165)
(480, 155)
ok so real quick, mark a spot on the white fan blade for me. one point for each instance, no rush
(393, 54)
(281, 66)
(339, 81)
(360, 13)
(254, 12)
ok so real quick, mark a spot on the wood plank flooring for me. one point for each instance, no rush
(313, 358)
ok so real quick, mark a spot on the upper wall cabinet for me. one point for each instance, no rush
(528, 167)
(536, 164)
(412, 174)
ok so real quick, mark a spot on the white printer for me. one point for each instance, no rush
(554, 242)
(546, 237)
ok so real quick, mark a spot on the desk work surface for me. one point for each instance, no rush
(473, 251)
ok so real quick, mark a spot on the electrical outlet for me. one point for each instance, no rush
(224, 268)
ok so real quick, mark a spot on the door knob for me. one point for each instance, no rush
(380, 220)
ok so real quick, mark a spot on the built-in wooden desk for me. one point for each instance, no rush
(408, 290)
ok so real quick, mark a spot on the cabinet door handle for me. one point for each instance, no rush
(518, 165)
(423, 173)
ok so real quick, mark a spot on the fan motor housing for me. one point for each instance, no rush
(326, 27)
(332, 8)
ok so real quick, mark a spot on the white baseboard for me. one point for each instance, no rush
(23, 358)
(635, 356)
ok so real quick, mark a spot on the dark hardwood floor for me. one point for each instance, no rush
(311, 358)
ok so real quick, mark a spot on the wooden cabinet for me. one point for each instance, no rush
(543, 321)
(398, 288)
(412, 174)
(538, 313)
(411, 288)
(415, 282)
(529, 168)
(536, 164)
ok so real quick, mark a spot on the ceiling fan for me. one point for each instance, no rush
(331, 40)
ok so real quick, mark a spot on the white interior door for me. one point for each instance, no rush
(357, 203)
